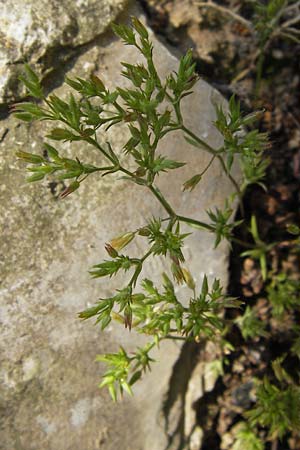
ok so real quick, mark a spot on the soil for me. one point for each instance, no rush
(225, 53)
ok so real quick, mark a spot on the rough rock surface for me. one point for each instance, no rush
(43, 33)
(49, 396)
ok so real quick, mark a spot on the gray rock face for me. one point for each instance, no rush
(43, 33)
(49, 396)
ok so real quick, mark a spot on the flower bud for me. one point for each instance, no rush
(128, 317)
(188, 279)
(73, 187)
(30, 157)
(144, 232)
(140, 172)
(121, 241)
(177, 273)
(192, 182)
(117, 317)
(111, 251)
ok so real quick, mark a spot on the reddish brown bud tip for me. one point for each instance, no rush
(73, 187)
(111, 251)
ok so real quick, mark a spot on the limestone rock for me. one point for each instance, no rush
(42, 33)
(49, 395)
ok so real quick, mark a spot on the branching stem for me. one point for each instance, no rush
(226, 11)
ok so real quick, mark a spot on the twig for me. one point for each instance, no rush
(291, 7)
(228, 12)
(292, 30)
(290, 36)
(246, 71)
(290, 22)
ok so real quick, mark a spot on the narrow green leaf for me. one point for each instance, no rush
(30, 157)
(204, 289)
(112, 391)
(25, 116)
(139, 27)
(35, 177)
(135, 377)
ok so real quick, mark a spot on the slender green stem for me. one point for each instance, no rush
(109, 119)
(176, 106)
(178, 112)
(118, 107)
(229, 175)
(138, 269)
(175, 338)
(102, 169)
(130, 174)
(84, 178)
(93, 142)
(235, 184)
(171, 128)
(156, 192)
(146, 256)
(195, 222)
(199, 141)
(153, 71)
(208, 166)
(171, 223)
(242, 243)
(151, 346)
